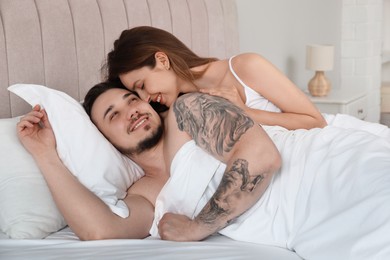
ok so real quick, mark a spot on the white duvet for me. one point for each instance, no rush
(330, 200)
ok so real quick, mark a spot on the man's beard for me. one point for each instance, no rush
(144, 145)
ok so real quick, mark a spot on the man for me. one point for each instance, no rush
(132, 125)
(329, 200)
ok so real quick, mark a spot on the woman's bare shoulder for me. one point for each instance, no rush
(247, 63)
(248, 60)
(247, 57)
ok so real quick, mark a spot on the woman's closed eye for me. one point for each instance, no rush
(138, 85)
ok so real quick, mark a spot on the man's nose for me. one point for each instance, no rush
(132, 115)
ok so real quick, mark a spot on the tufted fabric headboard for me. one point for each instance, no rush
(62, 43)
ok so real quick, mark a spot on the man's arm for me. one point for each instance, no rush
(223, 130)
(87, 215)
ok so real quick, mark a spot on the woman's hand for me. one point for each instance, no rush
(35, 132)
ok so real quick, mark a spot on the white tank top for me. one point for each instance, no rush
(254, 99)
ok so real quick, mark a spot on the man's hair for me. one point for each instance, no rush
(96, 91)
(102, 87)
(136, 47)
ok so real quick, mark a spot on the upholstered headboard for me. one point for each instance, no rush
(62, 43)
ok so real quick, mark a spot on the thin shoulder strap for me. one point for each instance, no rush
(234, 73)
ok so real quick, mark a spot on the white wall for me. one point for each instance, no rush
(361, 59)
(386, 41)
(280, 30)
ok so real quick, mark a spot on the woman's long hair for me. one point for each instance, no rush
(136, 48)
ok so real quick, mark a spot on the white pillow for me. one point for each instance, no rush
(27, 207)
(82, 148)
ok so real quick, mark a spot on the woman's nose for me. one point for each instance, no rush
(144, 96)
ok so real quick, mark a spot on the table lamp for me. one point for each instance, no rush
(320, 59)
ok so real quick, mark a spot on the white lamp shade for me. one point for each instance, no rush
(319, 57)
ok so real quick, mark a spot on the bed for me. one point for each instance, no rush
(62, 44)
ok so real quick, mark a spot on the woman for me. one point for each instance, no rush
(159, 67)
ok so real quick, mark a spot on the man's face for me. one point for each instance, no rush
(129, 123)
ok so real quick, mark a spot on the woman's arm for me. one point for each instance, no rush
(86, 214)
(224, 131)
(264, 78)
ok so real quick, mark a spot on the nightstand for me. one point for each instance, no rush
(351, 102)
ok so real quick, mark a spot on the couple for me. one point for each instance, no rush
(329, 198)
(293, 192)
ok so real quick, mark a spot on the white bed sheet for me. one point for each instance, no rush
(65, 244)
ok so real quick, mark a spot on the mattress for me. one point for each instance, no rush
(64, 243)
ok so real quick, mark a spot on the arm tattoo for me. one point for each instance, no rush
(213, 122)
(216, 125)
(233, 183)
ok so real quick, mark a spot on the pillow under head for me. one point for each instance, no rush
(82, 148)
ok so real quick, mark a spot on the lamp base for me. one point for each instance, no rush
(319, 85)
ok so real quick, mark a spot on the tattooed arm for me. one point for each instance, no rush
(223, 130)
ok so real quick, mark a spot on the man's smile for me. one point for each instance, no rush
(137, 123)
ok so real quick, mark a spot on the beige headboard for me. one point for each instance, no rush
(62, 43)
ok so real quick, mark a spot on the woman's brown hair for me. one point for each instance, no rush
(136, 48)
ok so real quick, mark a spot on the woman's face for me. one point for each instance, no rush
(158, 84)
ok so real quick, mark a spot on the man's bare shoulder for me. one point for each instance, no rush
(147, 187)
(174, 137)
